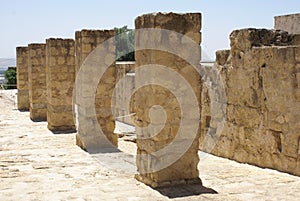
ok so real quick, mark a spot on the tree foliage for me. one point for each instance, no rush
(124, 44)
(11, 77)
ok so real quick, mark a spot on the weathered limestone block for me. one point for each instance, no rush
(60, 66)
(125, 77)
(289, 23)
(296, 40)
(187, 24)
(278, 84)
(243, 116)
(22, 78)
(153, 103)
(87, 40)
(222, 57)
(88, 137)
(245, 39)
(37, 81)
(261, 83)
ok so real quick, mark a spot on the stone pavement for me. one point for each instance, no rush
(36, 164)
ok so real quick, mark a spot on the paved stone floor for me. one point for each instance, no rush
(36, 164)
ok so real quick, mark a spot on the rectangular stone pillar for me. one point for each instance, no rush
(37, 81)
(22, 78)
(289, 23)
(167, 147)
(88, 136)
(60, 68)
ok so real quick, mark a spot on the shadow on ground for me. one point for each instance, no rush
(185, 191)
(63, 132)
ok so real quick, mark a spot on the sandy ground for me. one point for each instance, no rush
(36, 164)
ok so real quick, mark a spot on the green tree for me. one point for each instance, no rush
(124, 44)
(11, 77)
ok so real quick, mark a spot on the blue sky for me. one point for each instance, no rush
(27, 21)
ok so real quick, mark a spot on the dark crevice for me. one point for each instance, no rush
(277, 136)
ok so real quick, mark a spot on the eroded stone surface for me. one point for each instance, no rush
(262, 101)
(60, 64)
(151, 141)
(289, 23)
(22, 78)
(88, 41)
(37, 81)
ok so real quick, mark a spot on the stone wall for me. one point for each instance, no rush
(37, 81)
(124, 71)
(289, 23)
(22, 78)
(154, 134)
(86, 42)
(261, 74)
(60, 68)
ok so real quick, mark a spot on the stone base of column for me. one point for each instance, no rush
(67, 129)
(113, 140)
(60, 121)
(79, 142)
(38, 114)
(23, 100)
(89, 138)
(154, 184)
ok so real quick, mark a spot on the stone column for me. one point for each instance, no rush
(289, 23)
(22, 78)
(60, 67)
(37, 81)
(88, 138)
(184, 169)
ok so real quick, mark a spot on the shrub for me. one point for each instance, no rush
(11, 77)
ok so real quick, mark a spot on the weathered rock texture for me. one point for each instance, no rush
(22, 78)
(86, 42)
(289, 23)
(60, 68)
(262, 78)
(124, 74)
(184, 170)
(37, 81)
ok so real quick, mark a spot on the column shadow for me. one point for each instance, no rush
(65, 132)
(185, 190)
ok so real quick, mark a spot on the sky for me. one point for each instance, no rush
(29, 21)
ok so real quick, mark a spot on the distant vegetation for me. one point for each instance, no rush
(11, 77)
(124, 44)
